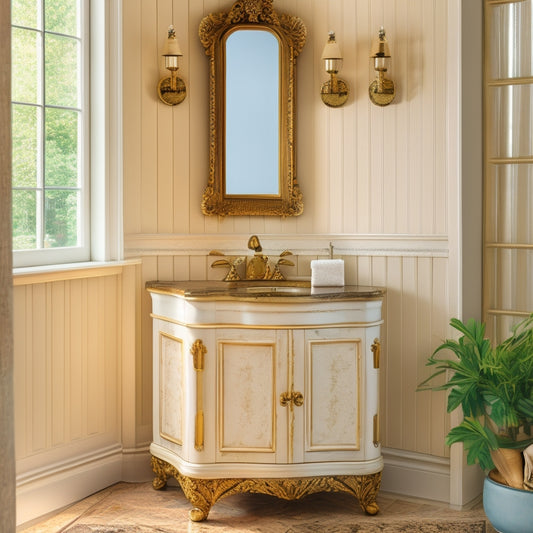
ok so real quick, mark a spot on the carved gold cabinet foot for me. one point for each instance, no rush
(204, 493)
(163, 471)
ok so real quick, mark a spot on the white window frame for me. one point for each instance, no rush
(102, 144)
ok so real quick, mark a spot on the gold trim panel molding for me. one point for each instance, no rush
(204, 493)
(270, 326)
(376, 437)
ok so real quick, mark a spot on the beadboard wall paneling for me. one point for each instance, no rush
(362, 168)
(75, 363)
(68, 352)
(415, 315)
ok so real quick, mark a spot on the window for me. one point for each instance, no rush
(50, 127)
(508, 176)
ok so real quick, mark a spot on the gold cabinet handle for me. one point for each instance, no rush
(294, 398)
(298, 399)
(376, 350)
(285, 398)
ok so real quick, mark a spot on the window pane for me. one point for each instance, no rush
(61, 71)
(61, 219)
(26, 151)
(510, 29)
(508, 212)
(499, 327)
(508, 277)
(24, 220)
(511, 112)
(61, 148)
(25, 50)
(61, 16)
(25, 12)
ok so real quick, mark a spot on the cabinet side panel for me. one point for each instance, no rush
(171, 373)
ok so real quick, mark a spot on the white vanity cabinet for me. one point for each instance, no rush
(270, 392)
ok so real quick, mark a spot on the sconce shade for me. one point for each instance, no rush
(331, 49)
(380, 46)
(172, 47)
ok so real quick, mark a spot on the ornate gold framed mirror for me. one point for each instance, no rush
(252, 54)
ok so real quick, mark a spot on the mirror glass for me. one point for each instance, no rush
(252, 54)
(252, 113)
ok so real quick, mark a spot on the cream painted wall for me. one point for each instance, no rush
(378, 177)
(362, 169)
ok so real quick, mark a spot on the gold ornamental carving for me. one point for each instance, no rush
(204, 493)
(198, 351)
(254, 12)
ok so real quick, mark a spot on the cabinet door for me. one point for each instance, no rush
(334, 395)
(251, 375)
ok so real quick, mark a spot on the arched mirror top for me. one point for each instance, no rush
(251, 145)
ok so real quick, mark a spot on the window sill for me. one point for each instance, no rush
(90, 269)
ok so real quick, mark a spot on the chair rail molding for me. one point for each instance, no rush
(140, 245)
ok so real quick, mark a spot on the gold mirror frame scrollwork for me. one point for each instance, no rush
(292, 35)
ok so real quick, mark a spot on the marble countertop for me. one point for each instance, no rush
(295, 290)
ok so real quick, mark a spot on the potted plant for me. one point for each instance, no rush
(494, 387)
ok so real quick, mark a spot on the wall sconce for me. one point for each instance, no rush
(171, 90)
(334, 92)
(381, 90)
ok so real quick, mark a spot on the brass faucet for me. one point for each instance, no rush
(254, 244)
(257, 267)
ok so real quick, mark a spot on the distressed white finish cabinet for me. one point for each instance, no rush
(271, 389)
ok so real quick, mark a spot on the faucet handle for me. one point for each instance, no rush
(254, 244)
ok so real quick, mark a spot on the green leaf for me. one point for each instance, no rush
(478, 441)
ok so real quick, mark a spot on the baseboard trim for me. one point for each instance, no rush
(416, 475)
(136, 466)
(46, 490)
(63, 484)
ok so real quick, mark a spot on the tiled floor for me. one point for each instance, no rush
(137, 507)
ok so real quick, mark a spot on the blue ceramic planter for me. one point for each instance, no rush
(509, 510)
